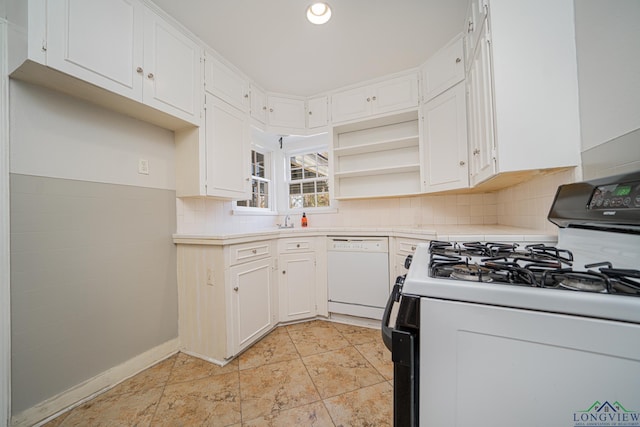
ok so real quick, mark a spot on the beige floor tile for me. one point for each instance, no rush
(339, 371)
(275, 347)
(271, 388)
(316, 337)
(312, 415)
(187, 368)
(369, 406)
(210, 401)
(379, 356)
(116, 409)
(155, 376)
(358, 335)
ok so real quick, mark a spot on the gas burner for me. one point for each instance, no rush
(588, 281)
(471, 272)
(623, 281)
(541, 252)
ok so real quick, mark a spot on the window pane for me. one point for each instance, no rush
(308, 187)
(295, 201)
(310, 201)
(295, 189)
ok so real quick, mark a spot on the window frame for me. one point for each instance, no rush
(301, 151)
(269, 178)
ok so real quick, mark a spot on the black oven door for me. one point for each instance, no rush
(400, 335)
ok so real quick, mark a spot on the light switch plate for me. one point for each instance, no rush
(143, 167)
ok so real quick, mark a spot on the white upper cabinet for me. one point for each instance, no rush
(523, 89)
(258, 104)
(444, 139)
(286, 112)
(118, 53)
(225, 83)
(443, 70)
(317, 112)
(395, 94)
(172, 77)
(476, 15)
(227, 150)
(99, 41)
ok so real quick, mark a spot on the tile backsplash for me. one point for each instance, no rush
(523, 205)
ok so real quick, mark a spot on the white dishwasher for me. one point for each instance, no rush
(358, 275)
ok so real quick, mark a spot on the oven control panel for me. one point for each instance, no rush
(616, 196)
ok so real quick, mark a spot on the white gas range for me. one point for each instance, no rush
(498, 334)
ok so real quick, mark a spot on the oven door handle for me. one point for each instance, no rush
(394, 298)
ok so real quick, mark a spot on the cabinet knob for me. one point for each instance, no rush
(271, 110)
(458, 60)
(462, 163)
(476, 152)
(235, 289)
(310, 113)
(374, 98)
(150, 76)
(284, 272)
(298, 245)
(246, 95)
(368, 99)
(470, 26)
(254, 251)
(264, 108)
(139, 70)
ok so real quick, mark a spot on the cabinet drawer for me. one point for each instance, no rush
(249, 252)
(296, 245)
(406, 247)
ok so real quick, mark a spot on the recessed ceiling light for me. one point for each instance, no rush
(319, 13)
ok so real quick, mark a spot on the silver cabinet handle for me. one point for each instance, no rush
(235, 289)
(374, 98)
(264, 108)
(368, 99)
(458, 60)
(139, 70)
(298, 245)
(310, 113)
(470, 26)
(271, 110)
(150, 76)
(462, 163)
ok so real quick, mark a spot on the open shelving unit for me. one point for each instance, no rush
(377, 158)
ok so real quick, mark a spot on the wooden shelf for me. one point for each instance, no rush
(390, 144)
(378, 171)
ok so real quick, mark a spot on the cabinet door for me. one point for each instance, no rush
(443, 70)
(227, 147)
(445, 141)
(286, 112)
(317, 114)
(350, 104)
(251, 293)
(98, 41)
(394, 94)
(476, 17)
(258, 104)
(223, 82)
(172, 77)
(297, 286)
(480, 115)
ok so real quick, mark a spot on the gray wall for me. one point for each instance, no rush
(608, 42)
(93, 266)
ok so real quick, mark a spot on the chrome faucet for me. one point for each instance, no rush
(286, 221)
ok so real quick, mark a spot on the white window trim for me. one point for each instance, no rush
(270, 161)
(316, 148)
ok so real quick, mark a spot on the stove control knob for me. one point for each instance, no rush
(407, 261)
(627, 202)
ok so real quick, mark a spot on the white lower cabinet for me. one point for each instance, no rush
(252, 289)
(297, 286)
(227, 297)
(301, 278)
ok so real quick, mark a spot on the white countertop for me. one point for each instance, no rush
(431, 232)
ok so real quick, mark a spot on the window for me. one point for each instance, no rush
(260, 182)
(309, 180)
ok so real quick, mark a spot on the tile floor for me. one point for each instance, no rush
(316, 373)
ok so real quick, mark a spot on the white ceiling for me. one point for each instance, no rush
(272, 42)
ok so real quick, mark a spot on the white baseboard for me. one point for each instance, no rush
(77, 395)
